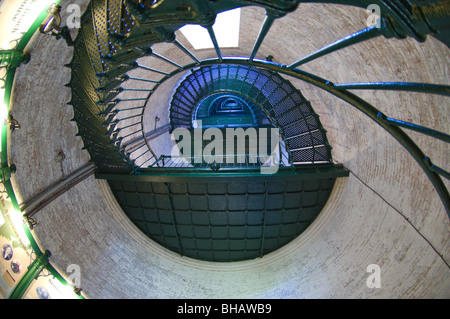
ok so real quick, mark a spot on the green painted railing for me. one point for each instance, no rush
(42, 260)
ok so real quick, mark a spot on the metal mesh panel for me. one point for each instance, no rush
(278, 96)
(81, 63)
(290, 116)
(91, 43)
(284, 105)
(297, 127)
(222, 221)
(303, 156)
(85, 94)
(100, 27)
(300, 141)
(114, 18)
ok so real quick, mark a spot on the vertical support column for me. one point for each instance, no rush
(33, 271)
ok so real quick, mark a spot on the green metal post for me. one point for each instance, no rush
(13, 58)
(33, 271)
(5, 172)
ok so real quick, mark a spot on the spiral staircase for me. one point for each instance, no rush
(115, 37)
(225, 213)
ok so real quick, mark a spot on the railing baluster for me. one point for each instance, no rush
(106, 110)
(110, 118)
(159, 56)
(133, 99)
(143, 153)
(146, 161)
(182, 47)
(268, 21)
(151, 69)
(128, 135)
(212, 35)
(130, 117)
(112, 127)
(436, 169)
(124, 127)
(360, 36)
(424, 130)
(141, 79)
(139, 90)
(131, 108)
